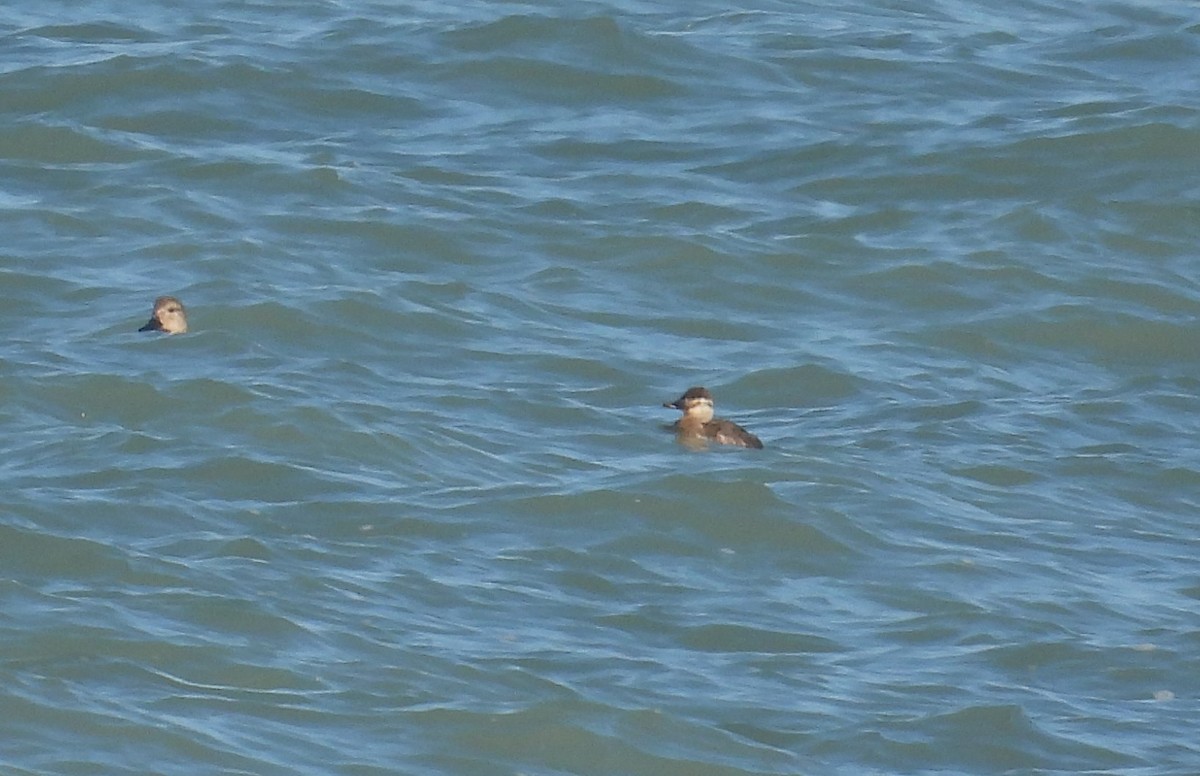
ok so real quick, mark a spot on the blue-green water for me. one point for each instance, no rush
(401, 502)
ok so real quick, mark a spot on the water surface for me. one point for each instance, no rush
(401, 501)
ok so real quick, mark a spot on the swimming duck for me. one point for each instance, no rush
(168, 316)
(698, 426)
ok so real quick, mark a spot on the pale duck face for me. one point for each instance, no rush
(168, 316)
(696, 403)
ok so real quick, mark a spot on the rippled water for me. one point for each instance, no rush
(401, 501)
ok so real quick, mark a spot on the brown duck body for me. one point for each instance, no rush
(698, 426)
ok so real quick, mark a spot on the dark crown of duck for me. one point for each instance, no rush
(690, 395)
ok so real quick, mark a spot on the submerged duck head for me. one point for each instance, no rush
(168, 316)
